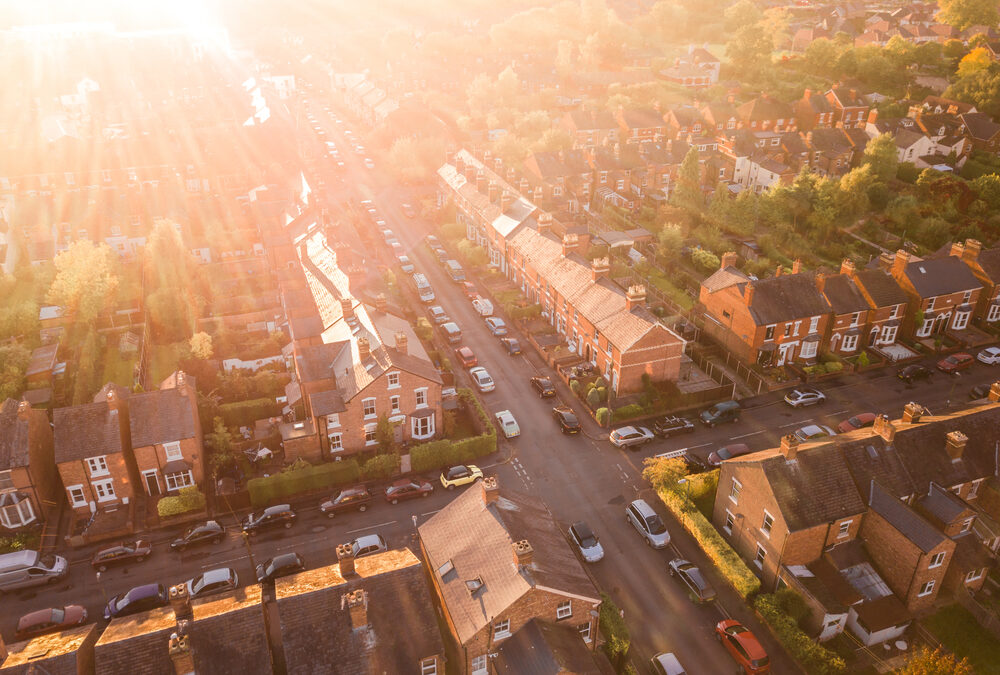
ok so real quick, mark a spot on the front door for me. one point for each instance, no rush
(152, 484)
(785, 352)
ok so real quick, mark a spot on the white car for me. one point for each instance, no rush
(798, 398)
(667, 664)
(508, 424)
(990, 356)
(482, 379)
(438, 314)
(496, 325)
(630, 437)
(813, 432)
(585, 540)
(213, 581)
(369, 164)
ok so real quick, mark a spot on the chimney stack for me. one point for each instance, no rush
(635, 297)
(729, 259)
(180, 601)
(544, 223)
(381, 303)
(957, 249)
(114, 401)
(955, 444)
(471, 174)
(364, 349)
(523, 553)
(569, 243)
(912, 412)
(884, 427)
(491, 491)
(899, 264)
(506, 199)
(401, 342)
(971, 252)
(599, 268)
(885, 262)
(797, 266)
(748, 292)
(459, 165)
(347, 308)
(994, 394)
(356, 602)
(481, 186)
(24, 411)
(494, 192)
(790, 447)
(778, 270)
(180, 652)
(345, 556)
(847, 268)
(820, 281)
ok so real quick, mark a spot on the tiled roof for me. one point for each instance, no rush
(315, 362)
(920, 532)
(161, 416)
(228, 634)
(883, 289)
(943, 504)
(136, 645)
(326, 403)
(542, 647)
(843, 296)
(941, 276)
(317, 633)
(989, 260)
(55, 653)
(642, 119)
(86, 430)
(476, 541)
(785, 298)
(14, 448)
(980, 125)
(724, 278)
(764, 108)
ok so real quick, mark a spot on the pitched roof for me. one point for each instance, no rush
(989, 260)
(136, 644)
(765, 108)
(920, 532)
(724, 278)
(161, 416)
(786, 297)
(86, 430)
(55, 653)
(469, 540)
(546, 648)
(941, 276)
(601, 119)
(843, 296)
(14, 435)
(883, 288)
(317, 633)
(980, 125)
(326, 403)
(943, 504)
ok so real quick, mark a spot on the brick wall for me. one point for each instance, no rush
(154, 457)
(76, 472)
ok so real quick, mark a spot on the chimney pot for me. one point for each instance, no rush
(364, 349)
(345, 556)
(729, 259)
(820, 281)
(885, 262)
(401, 342)
(790, 446)
(971, 251)
(748, 292)
(181, 655)
(912, 412)
(599, 268)
(955, 444)
(381, 303)
(523, 553)
(544, 223)
(884, 427)
(491, 490)
(347, 308)
(356, 602)
(796, 266)
(180, 601)
(569, 244)
(899, 263)
(994, 394)
(847, 268)
(635, 296)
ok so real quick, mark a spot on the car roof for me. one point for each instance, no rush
(285, 559)
(583, 529)
(38, 616)
(627, 430)
(643, 507)
(217, 574)
(144, 591)
(368, 540)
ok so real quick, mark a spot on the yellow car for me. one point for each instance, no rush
(460, 475)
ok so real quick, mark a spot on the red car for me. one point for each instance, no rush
(955, 363)
(50, 620)
(743, 646)
(859, 421)
(407, 488)
(470, 289)
(467, 357)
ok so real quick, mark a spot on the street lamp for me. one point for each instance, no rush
(101, 584)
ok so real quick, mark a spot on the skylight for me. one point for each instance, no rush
(474, 584)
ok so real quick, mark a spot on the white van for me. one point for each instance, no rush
(29, 568)
(452, 332)
(424, 289)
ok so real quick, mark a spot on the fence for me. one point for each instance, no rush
(702, 358)
(986, 618)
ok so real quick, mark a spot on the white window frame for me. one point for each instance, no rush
(393, 380)
(366, 405)
(967, 523)
(888, 335)
(173, 450)
(98, 466)
(107, 486)
(760, 556)
(734, 491)
(422, 427)
(70, 492)
(767, 524)
(974, 575)
(333, 421)
(6, 480)
(994, 313)
(501, 629)
(18, 509)
(429, 666)
(478, 665)
(974, 489)
(394, 404)
(844, 529)
(176, 481)
(730, 522)
(336, 442)
(564, 610)
(961, 320)
(370, 429)
(421, 397)
(849, 344)
(808, 349)
(927, 588)
(936, 560)
(584, 631)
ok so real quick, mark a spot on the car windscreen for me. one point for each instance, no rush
(48, 560)
(655, 525)
(588, 541)
(760, 663)
(58, 615)
(724, 453)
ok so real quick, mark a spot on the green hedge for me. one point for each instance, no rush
(20, 542)
(814, 657)
(441, 453)
(628, 412)
(729, 563)
(245, 413)
(266, 491)
(380, 467)
(186, 500)
(617, 640)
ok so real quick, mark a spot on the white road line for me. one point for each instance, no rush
(736, 438)
(372, 527)
(430, 513)
(796, 424)
(222, 562)
(839, 412)
(703, 445)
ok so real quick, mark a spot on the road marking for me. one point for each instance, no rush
(839, 412)
(703, 445)
(430, 513)
(796, 424)
(372, 527)
(736, 438)
(222, 562)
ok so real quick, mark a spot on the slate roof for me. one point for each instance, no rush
(941, 276)
(317, 633)
(785, 298)
(136, 645)
(86, 430)
(989, 260)
(843, 296)
(161, 416)
(587, 120)
(55, 654)
(326, 403)
(765, 108)
(920, 532)
(14, 448)
(883, 288)
(943, 504)
(546, 648)
(980, 125)
(315, 362)
(477, 540)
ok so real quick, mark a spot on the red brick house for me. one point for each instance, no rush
(765, 113)
(850, 109)
(639, 126)
(943, 290)
(491, 580)
(29, 484)
(814, 111)
(981, 130)
(720, 117)
(591, 128)
(886, 299)
(985, 265)
(851, 313)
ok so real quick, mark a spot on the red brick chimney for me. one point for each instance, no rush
(481, 182)
(180, 601)
(912, 412)
(796, 266)
(972, 249)
(748, 292)
(24, 411)
(899, 264)
(401, 342)
(181, 655)
(599, 268)
(544, 223)
(347, 308)
(356, 602)
(345, 556)
(847, 268)
(459, 165)
(494, 192)
(635, 297)
(820, 281)
(381, 303)
(491, 491)
(885, 262)
(364, 349)
(884, 427)
(729, 259)
(114, 401)
(523, 553)
(955, 444)
(506, 199)
(569, 244)
(790, 447)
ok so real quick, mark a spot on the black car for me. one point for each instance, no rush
(543, 386)
(355, 498)
(979, 391)
(568, 423)
(671, 425)
(512, 346)
(138, 599)
(204, 533)
(280, 566)
(270, 518)
(913, 372)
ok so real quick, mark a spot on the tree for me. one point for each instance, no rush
(18, 319)
(988, 189)
(937, 662)
(86, 281)
(964, 13)
(688, 194)
(385, 435)
(670, 241)
(220, 443)
(177, 289)
(554, 140)
(821, 56)
(201, 345)
(663, 473)
(564, 57)
(978, 60)
(981, 88)
(749, 50)
(14, 359)
(740, 14)
(85, 378)
(852, 198)
(705, 260)
(881, 155)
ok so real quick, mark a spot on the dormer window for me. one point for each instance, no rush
(474, 585)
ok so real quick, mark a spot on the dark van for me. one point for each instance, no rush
(726, 411)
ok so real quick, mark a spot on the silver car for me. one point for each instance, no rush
(647, 523)
(667, 664)
(585, 540)
(213, 581)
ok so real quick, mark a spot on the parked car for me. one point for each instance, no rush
(630, 437)
(496, 325)
(50, 620)
(585, 540)
(566, 418)
(743, 646)
(716, 457)
(990, 356)
(280, 566)
(725, 411)
(120, 554)
(482, 379)
(408, 488)
(859, 421)
(469, 289)
(647, 523)
(369, 544)
(438, 314)
(270, 518)
(138, 599)
(813, 432)
(432, 241)
(466, 357)
(460, 474)
(508, 424)
(954, 363)
(799, 398)
(213, 581)
(543, 386)
(979, 391)
(355, 498)
(203, 533)
(512, 346)
(691, 576)
(408, 210)
(672, 425)
(913, 372)
(665, 663)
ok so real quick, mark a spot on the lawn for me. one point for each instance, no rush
(959, 632)
(165, 359)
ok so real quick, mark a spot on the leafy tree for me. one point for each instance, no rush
(981, 88)
(688, 194)
(18, 319)
(988, 189)
(85, 378)
(705, 260)
(663, 473)
(937, 662)
(413, 160)
(976, 61)
(220, 443)
(14, 359)
(177, 288)
(881, 155)
(86, 281)
(554, 140)
(453, 231)
(201, 345)
(964, 13)
(855, 185)
(821, 55)
(749, 50)
(670, 241)
(385, 434)
(565, 50)
(740, 14)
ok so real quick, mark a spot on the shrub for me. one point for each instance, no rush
(245, 413)
(814, 657)
(614, 630)
(600, 383)
(603, 416)
(627, 412)
(603, 393)
(20, 542)
(380, 466)
(574, 386)
(264, 491)
(593, 397)
(834, 367)
(729, 563)
(187, 499)
(423, 329)
(863, 360)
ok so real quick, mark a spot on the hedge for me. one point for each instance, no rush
(617, 640)
(187, 499)
(265, 491)
(245, 413)
(627, 412)
(729, 563)
(603, 416)
(441, 453)
(380, 466)
(814, 657)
